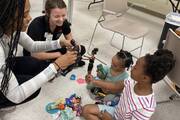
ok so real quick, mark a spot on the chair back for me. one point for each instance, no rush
(115, 6)
(172, 43)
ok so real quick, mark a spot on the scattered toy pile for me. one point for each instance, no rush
(65, 109)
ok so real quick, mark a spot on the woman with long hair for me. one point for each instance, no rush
(18, 85)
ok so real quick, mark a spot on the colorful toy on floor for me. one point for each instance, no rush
(81, 81)
(68, 108)
(73, 77)
(67, 114)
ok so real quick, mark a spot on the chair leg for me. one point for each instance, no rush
(122, 47)
(124, 37)
(112, 39)
(141, 46)
(88, 51)
(94, 2)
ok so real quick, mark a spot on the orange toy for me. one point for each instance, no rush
(61, 106)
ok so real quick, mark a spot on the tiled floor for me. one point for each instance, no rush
(83, 22)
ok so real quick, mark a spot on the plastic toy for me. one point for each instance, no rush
(91, 60)
(101, 71)
(68, 107)
(73, 77)
(81, 81)
(113, 102)
(61, 106)
(80, 51)
(51, 109)
(67, 114)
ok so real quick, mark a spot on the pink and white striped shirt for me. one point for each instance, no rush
(132, 106)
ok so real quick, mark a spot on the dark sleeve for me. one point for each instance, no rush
(66, 28)
(36, 29)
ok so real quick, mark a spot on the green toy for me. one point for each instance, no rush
(102, 73)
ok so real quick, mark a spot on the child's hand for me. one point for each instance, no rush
(89, 78)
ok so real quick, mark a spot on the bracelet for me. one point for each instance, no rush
(59, 68)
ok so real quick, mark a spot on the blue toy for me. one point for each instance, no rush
(49, 108)
(73, 77)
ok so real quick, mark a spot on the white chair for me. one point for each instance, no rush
(94, 2)
(128, 28)
(172, 43)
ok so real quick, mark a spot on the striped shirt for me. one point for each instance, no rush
(132, 106)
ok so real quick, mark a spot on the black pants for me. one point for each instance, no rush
(24, 69)
(81, 50)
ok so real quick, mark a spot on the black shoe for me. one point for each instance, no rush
(80, 63)
(69, 68)
(177, 88)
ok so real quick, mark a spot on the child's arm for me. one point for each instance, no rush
(108, 86)
(112, 87)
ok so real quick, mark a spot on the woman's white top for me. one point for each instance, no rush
(18, 93)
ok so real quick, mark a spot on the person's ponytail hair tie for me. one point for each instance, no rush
(127, 58)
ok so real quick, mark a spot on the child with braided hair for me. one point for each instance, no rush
(137, 101)
(121, 62)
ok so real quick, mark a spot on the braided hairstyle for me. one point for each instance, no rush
(11, 23)
(126, 57)
(159, 64)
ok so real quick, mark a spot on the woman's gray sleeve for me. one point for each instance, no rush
(37, 46)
